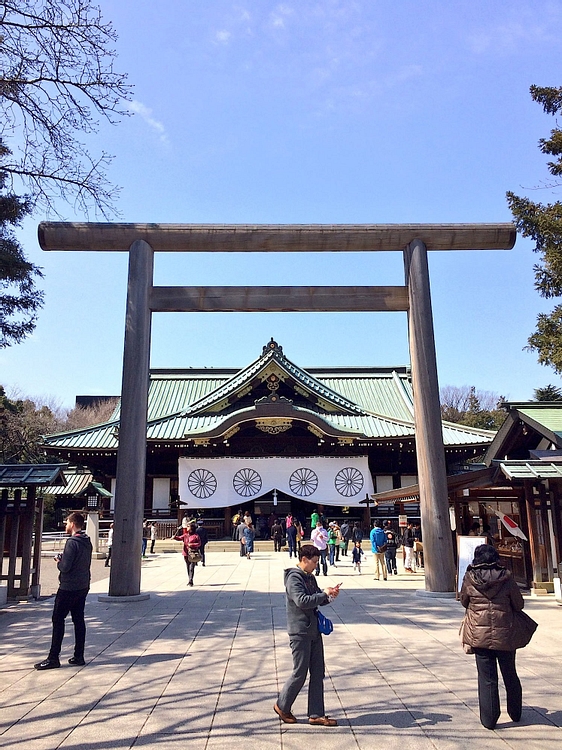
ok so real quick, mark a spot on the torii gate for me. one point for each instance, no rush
(142, 240)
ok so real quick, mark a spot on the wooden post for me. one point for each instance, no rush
(533, 533)
(125, 573)
(432, 471)
(26, 534)
(38, 532)
(13, 590)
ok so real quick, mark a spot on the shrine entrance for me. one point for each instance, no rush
(412, 240)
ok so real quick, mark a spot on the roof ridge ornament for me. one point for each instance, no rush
(272, 346)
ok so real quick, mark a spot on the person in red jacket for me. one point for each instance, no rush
(191, 546)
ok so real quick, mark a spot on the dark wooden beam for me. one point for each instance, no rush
(279, 299)
(274, 237)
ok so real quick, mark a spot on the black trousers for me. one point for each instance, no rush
(487, 661)
(69, 602)
(277, 543)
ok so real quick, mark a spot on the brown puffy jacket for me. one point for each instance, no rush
(490, 596)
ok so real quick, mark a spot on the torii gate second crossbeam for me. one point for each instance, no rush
(142, 240)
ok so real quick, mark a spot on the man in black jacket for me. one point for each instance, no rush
(204, 536)
(74, 583)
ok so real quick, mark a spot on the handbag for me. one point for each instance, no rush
(523, 628)
(382, 548)
(193, 556)
(325, 626)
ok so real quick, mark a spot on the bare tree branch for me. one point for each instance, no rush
(57, 80)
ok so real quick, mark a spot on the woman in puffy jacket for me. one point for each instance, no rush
(491, 596)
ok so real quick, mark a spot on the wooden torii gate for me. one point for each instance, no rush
(142, 240)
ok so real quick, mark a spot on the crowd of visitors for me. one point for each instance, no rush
(493, 629)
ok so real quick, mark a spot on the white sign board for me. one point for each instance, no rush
(402, 521)
(466, 546)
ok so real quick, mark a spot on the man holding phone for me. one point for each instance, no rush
(303, 598)
(74, 583)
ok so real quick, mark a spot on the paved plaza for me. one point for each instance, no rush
(200, 668)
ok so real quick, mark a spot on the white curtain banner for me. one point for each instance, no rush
(220, 482)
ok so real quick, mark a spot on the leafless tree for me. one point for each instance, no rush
(466, 405)
(56, 81)
(24, 421)
(84, 416)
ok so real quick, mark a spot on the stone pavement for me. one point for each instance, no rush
(201, 668)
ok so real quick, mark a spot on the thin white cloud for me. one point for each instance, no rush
(279, 15)
(223, 36)
(506, 38)
(146, 113)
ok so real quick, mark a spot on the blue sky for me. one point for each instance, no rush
(322, 111)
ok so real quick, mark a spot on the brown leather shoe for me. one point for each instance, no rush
(323, 721)
(287, 718)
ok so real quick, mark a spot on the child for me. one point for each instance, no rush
(356, 554)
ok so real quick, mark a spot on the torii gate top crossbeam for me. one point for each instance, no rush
(274, 237)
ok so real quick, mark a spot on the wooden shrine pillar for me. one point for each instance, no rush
(432, 471)
(527, 504)
(125, 575)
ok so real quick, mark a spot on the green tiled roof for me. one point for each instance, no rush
(531, 470)
(547, 415)
(21, 475)
(76, 480)
(371, 403)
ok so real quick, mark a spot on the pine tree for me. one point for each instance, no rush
(548, 393)
(19, 298)
(543, 224)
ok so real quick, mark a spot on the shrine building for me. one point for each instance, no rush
(271, 437)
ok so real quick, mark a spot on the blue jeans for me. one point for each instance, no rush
(292, 542)
(322, 559)
(332, 548)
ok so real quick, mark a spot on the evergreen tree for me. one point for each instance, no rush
(548, 393)
(465, 405)
(543, 223)
(19, 298)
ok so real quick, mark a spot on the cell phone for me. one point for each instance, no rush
(337, 586)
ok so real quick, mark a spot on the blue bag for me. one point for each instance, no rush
(325, 626)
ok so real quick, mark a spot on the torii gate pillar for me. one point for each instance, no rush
(125, 574)
(430, 451)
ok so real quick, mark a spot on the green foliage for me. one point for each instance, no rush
(22, 425)
(465, 405)
(543, 224)
(24, 421)
(19, 298)
(548, 393)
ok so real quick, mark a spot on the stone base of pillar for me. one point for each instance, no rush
(436, 594)
(123, 599)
